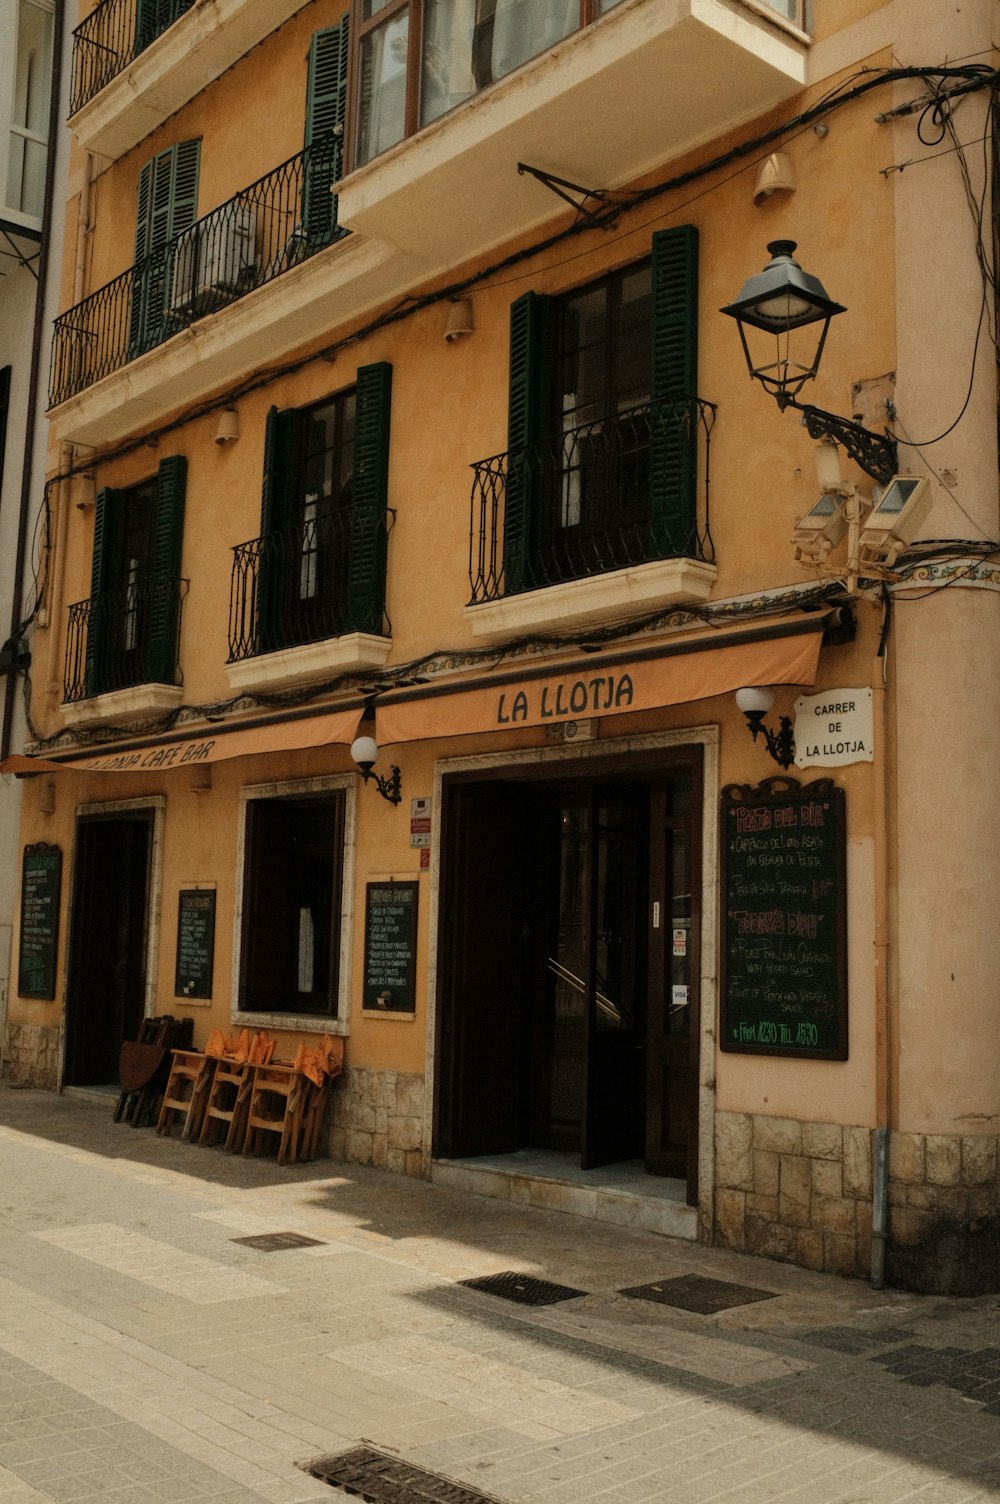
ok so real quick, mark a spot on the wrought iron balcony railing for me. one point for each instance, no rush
(308, 583)
(111, 37)
(601, 496)
(280, 220)
(122, 638)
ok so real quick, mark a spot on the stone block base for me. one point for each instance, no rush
(377, 1118)
(31, 1056)
(801, 1192)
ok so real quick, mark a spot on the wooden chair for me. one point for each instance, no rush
(226, 1107)
(143, 1066)
(313, 1114)
(186, 1092)
(275, 1108)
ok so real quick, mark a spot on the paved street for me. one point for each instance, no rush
(148, 1355)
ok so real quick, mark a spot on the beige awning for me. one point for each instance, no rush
(287, 735)
(783, 651)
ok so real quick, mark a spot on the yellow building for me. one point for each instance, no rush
(392, 399)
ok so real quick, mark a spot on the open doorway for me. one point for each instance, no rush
(569, 964)
(106, 984)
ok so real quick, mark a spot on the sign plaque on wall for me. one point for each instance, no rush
(195, 942)
(391, 947)
(41, 878)
(784, 919)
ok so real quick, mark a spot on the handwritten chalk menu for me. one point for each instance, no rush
(195, 942)
(391, 947)
(784, 919)
(41, 877)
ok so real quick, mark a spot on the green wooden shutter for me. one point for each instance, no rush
(326, 112)
(164, 605)
(105, 576)
(276, 555)
(527, 418)
(365, 534)
(674, 386)
(166, 206)
(152, 17)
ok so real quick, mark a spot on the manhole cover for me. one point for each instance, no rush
(693, 1292)
(274, 1242)
(381, 1479)
(523, 1288)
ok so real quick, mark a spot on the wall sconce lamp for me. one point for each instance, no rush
(227, 430)
(755, 703)
(460, 322)
(781, 300)
(364, 751)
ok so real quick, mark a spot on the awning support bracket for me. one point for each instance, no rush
(602, 217)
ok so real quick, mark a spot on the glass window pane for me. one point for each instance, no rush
(633, 338)
(34, 68)
(448, 49)
(382, 90)
(25, 186)
(524, 28)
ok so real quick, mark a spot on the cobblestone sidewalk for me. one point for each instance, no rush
(148, 1354)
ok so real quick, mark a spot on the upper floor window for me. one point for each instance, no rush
(127, 632)
(602, 422)
(25, 90)
(418, 58)
(166, 205)
(318, 569)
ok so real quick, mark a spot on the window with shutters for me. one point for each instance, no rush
(166, 206)
(416, 59)
(603, 422)
(318, 569)
(292, 904)
(127, 632)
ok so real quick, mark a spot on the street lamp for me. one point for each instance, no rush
(776, 304)
(364, 752)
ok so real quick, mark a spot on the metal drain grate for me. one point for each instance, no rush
(274, 1242)
(693, 1292)
(523, 1288)
(381, 1479)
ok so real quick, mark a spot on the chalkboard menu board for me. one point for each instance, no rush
(195, 942)
(391, 947)
(784, 919)
(41, 876)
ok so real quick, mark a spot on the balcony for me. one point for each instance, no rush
(566, 534)
(245, 242)
(122, 653)
(131, 72)
(308, 603)
(689, 70)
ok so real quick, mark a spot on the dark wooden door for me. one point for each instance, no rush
(480, 1058)
(674, 970)
(616, 977)
(106, 991)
